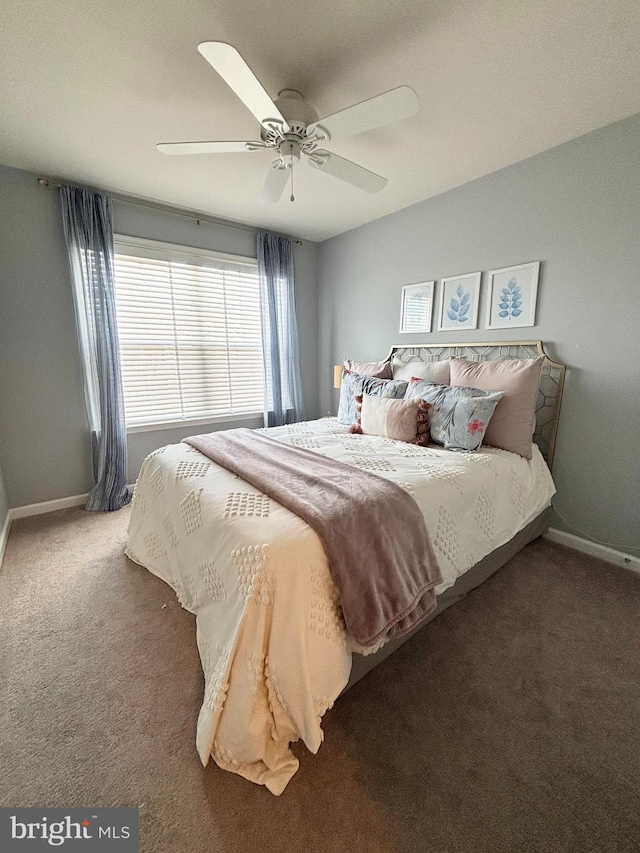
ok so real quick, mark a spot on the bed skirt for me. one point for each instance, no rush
(362, 664)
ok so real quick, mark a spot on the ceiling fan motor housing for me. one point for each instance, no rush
(295, 109)
(298, 115)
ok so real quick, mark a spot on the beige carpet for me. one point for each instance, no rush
(509, 724)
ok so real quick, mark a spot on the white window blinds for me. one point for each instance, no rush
(189, 331)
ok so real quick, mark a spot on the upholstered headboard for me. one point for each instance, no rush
(551, 380)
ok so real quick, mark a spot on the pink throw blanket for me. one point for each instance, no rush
(372, 531)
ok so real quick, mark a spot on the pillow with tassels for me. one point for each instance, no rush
(401, 420)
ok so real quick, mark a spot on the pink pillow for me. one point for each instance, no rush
(514, 419)
(378, 369)
(402, 420)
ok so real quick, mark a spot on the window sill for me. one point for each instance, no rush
(217, 419)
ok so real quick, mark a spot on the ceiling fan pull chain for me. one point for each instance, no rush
(292, 198)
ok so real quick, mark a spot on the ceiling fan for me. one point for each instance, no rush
(291, 128)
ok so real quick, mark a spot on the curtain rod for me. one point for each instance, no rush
(172, 211)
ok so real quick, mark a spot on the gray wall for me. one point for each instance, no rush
(44, 442)
(576, 208)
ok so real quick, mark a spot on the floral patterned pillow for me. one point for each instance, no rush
(355, 384)
(458, 417)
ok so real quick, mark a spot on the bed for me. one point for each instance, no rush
(271, 636)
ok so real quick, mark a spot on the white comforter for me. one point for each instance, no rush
(270, 632)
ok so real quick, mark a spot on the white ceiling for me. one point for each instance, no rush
(88, 88)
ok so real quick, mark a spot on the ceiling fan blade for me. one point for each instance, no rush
(221, 147)
(274, 185)
(348, 171)
(226, 60)
(391, 106)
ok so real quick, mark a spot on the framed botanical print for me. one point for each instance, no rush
(513, 292)
(459, 298)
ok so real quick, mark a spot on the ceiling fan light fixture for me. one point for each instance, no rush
(291, 127)
(290, 150)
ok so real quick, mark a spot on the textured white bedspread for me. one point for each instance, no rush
(270, 633)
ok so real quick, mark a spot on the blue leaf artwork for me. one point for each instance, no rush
(458, 310)
(510, 301)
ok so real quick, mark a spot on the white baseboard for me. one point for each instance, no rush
(51, 506)
(594, 549)
(46, 506)
(4, 536)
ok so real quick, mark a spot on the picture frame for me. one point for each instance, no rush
(459, 302)
(416, 309)
(513, 293)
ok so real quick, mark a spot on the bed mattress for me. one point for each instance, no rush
(271, 638)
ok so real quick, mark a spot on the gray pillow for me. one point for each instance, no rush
(355, 384)
(458, 417)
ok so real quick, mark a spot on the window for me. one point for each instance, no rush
(190, 333)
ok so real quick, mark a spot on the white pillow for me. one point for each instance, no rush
(429, 371)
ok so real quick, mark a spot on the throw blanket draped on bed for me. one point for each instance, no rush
(372, 531)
